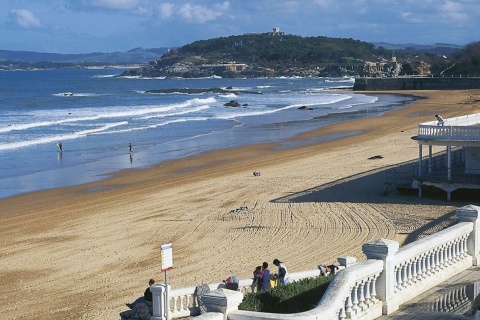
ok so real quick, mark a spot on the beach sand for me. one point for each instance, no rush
(82, 252)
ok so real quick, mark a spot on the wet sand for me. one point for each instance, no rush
(82, 252)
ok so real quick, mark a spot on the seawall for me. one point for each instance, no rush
(415, 83)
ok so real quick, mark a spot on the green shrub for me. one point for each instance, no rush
(295, 297)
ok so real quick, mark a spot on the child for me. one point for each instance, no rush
(257, 275)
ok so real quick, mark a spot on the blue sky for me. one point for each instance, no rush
(83, 26)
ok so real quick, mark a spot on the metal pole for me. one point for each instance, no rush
(167, 301)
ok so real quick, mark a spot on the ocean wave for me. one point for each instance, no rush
(61, 137)
(108, 113)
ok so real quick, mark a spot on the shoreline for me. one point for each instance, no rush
(95, 246)
(80, 173)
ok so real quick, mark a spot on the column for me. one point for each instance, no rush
(420, 160)
(158, 302)
(471, 213)
(429, 158)
(384, 249)
(449, 163)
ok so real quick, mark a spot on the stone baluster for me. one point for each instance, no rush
(419, 269)
(414, 269)
(436, 256)
(409, 265)
(441, 257)
(423, 266)
(398, 278)
(361, 296)
(450, 301)
(428, 264)
(348, 306)
(464, 293)
(404, 275)
(373, 291)
(354, 293)
(368, 301)
(342, 314)
(449, 253)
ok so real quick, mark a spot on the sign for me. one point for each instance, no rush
(166, 257)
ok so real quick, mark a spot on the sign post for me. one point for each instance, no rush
(166, 263)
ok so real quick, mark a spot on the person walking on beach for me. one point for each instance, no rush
(282, 272)
(60, 146)
(130, 146)
(264, 281)
(440, 120)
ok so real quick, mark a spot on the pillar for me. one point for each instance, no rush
(420, 160)
(429, 158)
(449, 163)
(160, 310)
(384, 249)
(471, 213)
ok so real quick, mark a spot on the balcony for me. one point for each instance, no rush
(464, 129)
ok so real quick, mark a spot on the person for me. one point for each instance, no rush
(264, 281)
(282, 272)
(60, 146)
(130, 147)
(439, 119)
(147, 296)
(257, 276)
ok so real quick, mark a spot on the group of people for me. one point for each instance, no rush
(263, 280)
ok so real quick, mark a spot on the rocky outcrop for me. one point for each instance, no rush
(232, 103)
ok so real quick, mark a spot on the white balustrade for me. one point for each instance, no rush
(391, 276)
(349, 296)
(463, 128)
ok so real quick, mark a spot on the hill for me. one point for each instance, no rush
(29, 59)
(266, 54)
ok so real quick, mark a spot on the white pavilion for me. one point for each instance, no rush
(459, 166)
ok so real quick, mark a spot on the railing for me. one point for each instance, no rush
(351, 294)
(183, 303)
(423, 263)
(388, 278)
(463, 128)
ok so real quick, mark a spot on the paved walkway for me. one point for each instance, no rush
(453, 299)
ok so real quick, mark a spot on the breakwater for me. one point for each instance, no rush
(416, 83)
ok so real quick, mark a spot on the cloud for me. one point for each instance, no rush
(165, 10)
(115, 4)
(25, 19)
(201, 14)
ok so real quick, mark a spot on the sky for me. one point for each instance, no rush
(86, 26)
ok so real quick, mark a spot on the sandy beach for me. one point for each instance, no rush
(83, 252)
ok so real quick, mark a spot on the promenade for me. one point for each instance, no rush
(452, 299)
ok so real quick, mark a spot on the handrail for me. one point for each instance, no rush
(390, 277)
(352, 291)
(183, 304)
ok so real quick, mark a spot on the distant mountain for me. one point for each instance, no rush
(134, 56)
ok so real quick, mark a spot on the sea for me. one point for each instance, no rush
(108, 123)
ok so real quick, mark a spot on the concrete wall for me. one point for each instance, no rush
(418, 83)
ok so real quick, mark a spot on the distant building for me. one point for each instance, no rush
(276, 32)
(224, 67)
